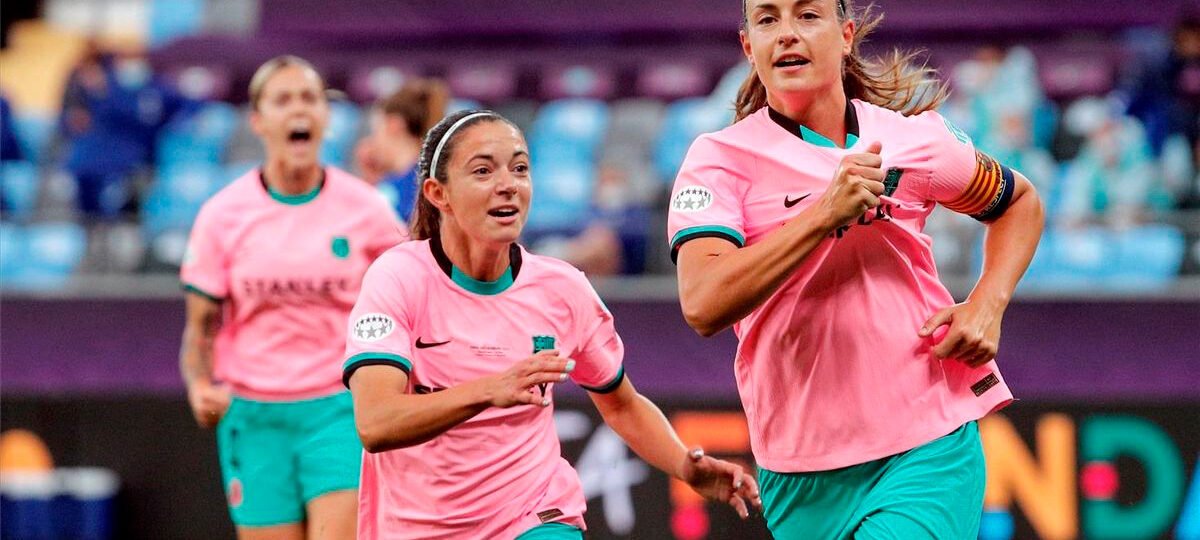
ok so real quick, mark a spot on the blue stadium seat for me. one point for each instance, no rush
(12, 250)
(19, 189)
(340, 136)
(572, 128)
(177, 194)
(562, 195)
(172, 19)
(1066, 260)
(201, 136)
(46, 254)
(1147, 257)
(685, 120)
(34, 133)
(457, 105)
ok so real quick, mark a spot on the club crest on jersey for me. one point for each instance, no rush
(892, 181)
(542, 343)
(341, 247)
(372, 327)
(692, 199)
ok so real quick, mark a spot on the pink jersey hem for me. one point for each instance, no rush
(801, 464)
(325, 391)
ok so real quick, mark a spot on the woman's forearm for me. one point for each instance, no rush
(720, 284)
(643, 427)
(1009, 245)
(388, 419)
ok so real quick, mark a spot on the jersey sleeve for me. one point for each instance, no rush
(205, 266)
(598, 362)
(706, 200)
(963, 178)
(379, 326)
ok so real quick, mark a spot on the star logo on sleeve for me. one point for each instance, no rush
(372, 327)
(692, 199)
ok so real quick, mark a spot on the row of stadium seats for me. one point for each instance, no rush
(40, 256)
(568, 138)
(1144, 258)
(1148, 258)
(1064, 71)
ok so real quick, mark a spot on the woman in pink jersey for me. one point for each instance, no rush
(273, 266)
(801, 226)
(455, 345)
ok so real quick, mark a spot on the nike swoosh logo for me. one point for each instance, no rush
(788, 203)
(423, 345)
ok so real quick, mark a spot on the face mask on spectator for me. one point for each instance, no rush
(132, 73)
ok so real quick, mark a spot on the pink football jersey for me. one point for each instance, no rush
(830, 368)
(287, 270)
(501, 472)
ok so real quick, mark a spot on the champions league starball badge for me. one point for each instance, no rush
(692, 199)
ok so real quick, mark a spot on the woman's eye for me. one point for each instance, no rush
(765, 20)
(809, 16)
(522, 168)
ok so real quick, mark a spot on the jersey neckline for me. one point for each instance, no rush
(291, 200)
(812, 137)
(470, 284)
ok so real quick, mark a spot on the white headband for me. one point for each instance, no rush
(437, 152)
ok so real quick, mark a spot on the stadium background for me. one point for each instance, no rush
(1095, 100)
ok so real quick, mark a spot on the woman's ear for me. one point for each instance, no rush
(436, 193)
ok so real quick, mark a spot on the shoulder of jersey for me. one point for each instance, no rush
(549, 271)
(234, 193)
(736, 131)
(875, 113)
(353, 185)
(406, 258)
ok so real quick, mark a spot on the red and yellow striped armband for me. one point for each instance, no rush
(989, 193)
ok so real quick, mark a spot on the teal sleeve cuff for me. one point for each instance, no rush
(374, 359)
(608, 387)
(188, 287)
(705, 231)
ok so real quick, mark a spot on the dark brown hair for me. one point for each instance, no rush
(427, 219)
(896, 82)
(421, 103)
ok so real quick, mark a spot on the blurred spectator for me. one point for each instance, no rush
(1012, 144)
(613, 239)
(113, 109)
(1165, 92)
(993, 84)
(387, 157)
(1114, 179)
(10, 149)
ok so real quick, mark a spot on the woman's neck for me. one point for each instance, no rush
(290, 180)
(824, 113)
(479, 261)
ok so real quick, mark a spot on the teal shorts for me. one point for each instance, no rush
(277, 456)
(552, 531)
(932, 491)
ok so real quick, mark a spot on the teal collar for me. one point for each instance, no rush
(486, 288)
(814, 138)
(293, 200)
(470, 284)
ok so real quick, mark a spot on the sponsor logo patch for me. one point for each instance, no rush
(692, 199)
(373, 327)
(985, 384)
(548, 515)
